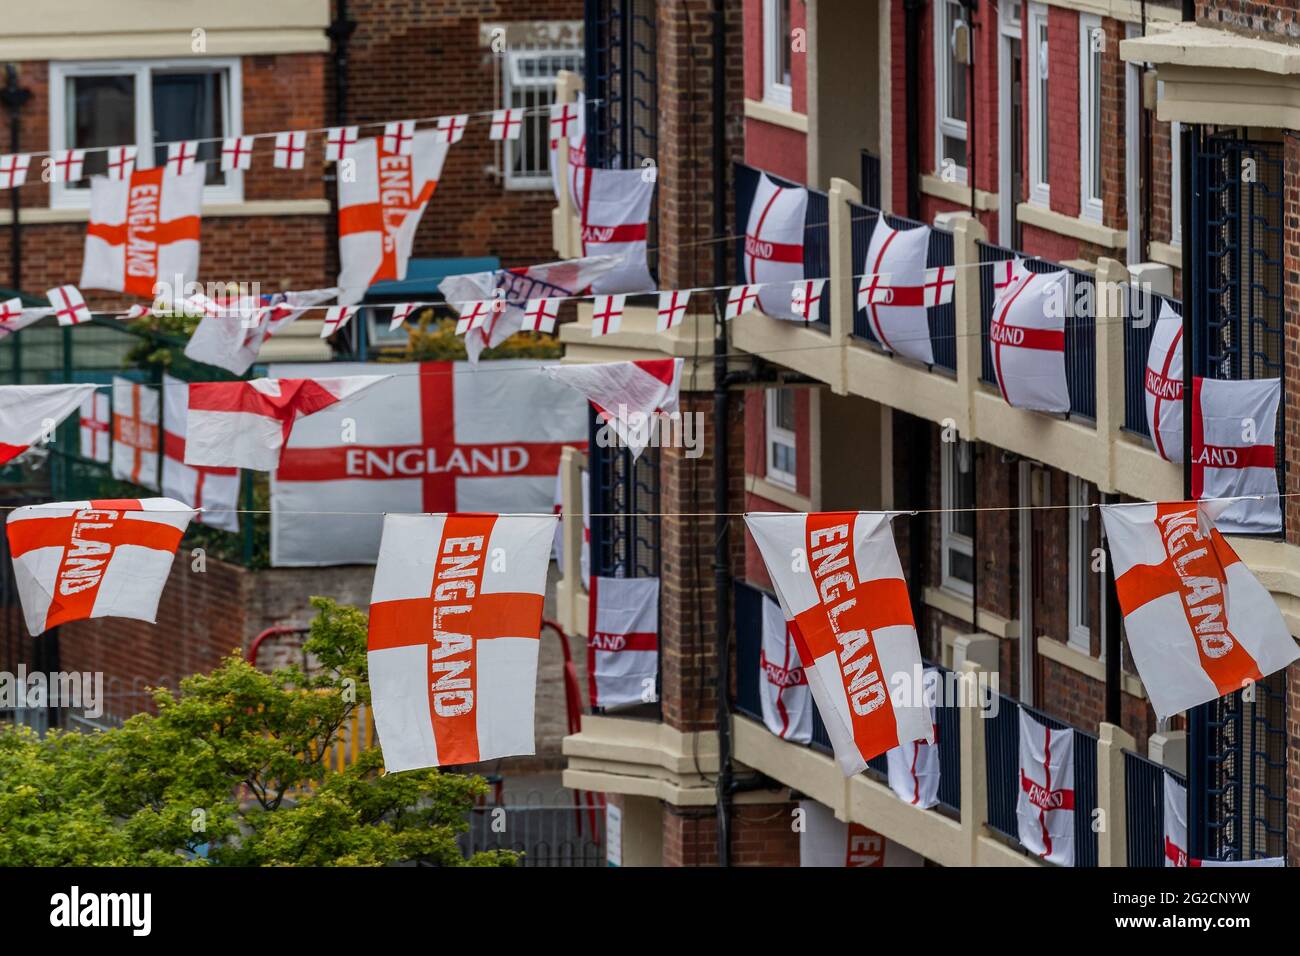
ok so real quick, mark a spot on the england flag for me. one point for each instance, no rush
(892, 290)
(782, 681)
(614, 219)
(1045, 805)
(30, 413)
(136, 411)
(773, 255)
(214, 492)
(826, 841)
(1234, 430)
(1027, 340)
(914, 765)
(1163, 384)
(623, 641)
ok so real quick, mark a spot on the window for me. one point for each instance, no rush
(1175, 176)
(781, 464)
(1080, 571)
(951, 39)
(146, 104)
(528, 82)
(1039, 106)
(957, 467)
(776, 53)
(1092, 41)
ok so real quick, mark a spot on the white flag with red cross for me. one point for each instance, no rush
(1199, 623)
(143, 230)
(137, 412)
(65, 165)
(1027, 340)
(1045, 805)
(506, 124)
(740, 299)
(826, 841)
(1163, 385)
(381, 206)
(540, 315)
(623, 641)
(121, 161)
(451, 129)
(236, 153)
(182, 157)
(15, 318)
(75, 560)
(1175, 800)
(336, 318)
(672, 309)
(1234, 430)
(568, 121)
(246, 424)
(433, 437)
(68, 305)
(30, 413)
(841, 588)
(607, 314)
(782, 682)
(13, 170)
(892, 290)
(214, 491)
(614, 220)
(774, 239)
(806, 299)
(339, 141)
(290, 150)
(626, 395)
(914, 764)
(455, 617)
(95, 422)
(230, 334)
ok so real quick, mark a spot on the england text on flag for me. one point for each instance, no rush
(774, 244)
(623, 641)
(1045, 805)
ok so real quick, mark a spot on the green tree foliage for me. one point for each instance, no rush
(231, 771)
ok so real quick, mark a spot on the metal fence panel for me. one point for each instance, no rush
(1144, 810)
(1144, 309)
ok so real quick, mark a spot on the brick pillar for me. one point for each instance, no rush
(1291, 336)
(690, 836)
(762, 834)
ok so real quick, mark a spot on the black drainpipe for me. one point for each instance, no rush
(14, 97)
(912, 10)
(340, 32)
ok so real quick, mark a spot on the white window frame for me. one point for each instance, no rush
(1080, 566)
(1175, 175)
(944, 124)
(65, 196)
(509, 86)
(1090, 136)
(776, 435)
(775, 92)
(1133, 153)
(950, 539)
(1009, 29)
(1040, 191)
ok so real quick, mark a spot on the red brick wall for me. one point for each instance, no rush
(761, 835)
(1279, 20)
(776, 149)
(1063, 111)
(1291, 338)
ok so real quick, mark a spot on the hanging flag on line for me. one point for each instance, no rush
(1234, 427)
(623, 641)
(230, 334)
(782, 681)
(1163, 384)
(451, 129)
(740, 299)
(14, 318)
(806, 299)
(1045, 805)
(96, 440)
(336, 318)
(68, 305)
(13, 170)
(181, 157)
(607, 314)
(401, 312)
(213, 492)
(29, 413)
(339, 141)
(65, 165)
(506, 124)
(290, 150)
(540, 315)
(136, 412)
(236, 153)
(672, 309)
(914, 764)
(626, 395)
(121, 162)
(892, 290)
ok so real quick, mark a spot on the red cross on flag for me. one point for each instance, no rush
(626, 395)
(236, 153)
(336, 318)
(623, 641)
(740, 299)
(399, 138)
(782, 683)
(65, 165)
(1199, 624)
(1045, 805)
(339, 141)
(1027, 339)
(136, 412)
(401, 312)
(455, 617)
(607, 314)
(29, 413)
(1175, 800)
(290, 150)
(75, 560)
(381, 207)
(848, 608)
(245, 424)
(806, 299)
(1234, 427)
(182, 156)
(13, 170)
(436, 436)
(14, 318)
(68, 305)
(774, 244)
(892, 290)
(143, 230)
(231, 334)
(826, 841)
(1163, 384)
(475, 315)
(613, 219)
(121, 161)
(914, 764)
(540, 315)
(569, 120)
(506, 124)
(213, 491)
(451, 129)
(96, 444)
(672, 309)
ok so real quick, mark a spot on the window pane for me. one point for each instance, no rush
(960, 566)
(100, 111)
(783, 458)
(954, 149)
(782, 40)
(962, 492)
(190, 106)
(956, 105)
(1043, 114)
(1094, 152)
(530, 85)
(785, 409)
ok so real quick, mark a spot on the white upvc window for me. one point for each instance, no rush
(528, 83)
(1092, 43)
(777, 53)
(145, 103)
(1133, 138)
(1080, 566)
(950, 135)
(780, 439)
(1175, 176)
(1039, 106)
(957, 524)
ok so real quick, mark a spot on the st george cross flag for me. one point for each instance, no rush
(68, 305)
(246, 424)
(1234, 430)
(773, 254)
(613, 218)
(826, 841)
(455, 617)
(851, 618)
(436, 436)
(230, 335)
(1199, 624)
(30, 412)
(782, 682)
(1027, 340)
(75, 560)
(1175, 821)
(584, 556)
(568, 121)
(1163, 384)
(627, 395)
(15, 318)
(380, 209)
(215, 491)
(136, 412)
(892, 290)
(623, 641)
(1045, 807)
(96, 443)
(914, 765)
(143, 230)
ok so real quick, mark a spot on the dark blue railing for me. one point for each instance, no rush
(1144, 809)
(1144, 310)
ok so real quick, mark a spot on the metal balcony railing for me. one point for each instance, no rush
(1144, 308)
(1144, 808)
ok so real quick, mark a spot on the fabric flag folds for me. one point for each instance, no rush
(1027, 340)
(892, 290)
(230, 335)
(1045, 806)
(136, 411)
(83, 559)
(455, 616)
(213, 491)
(1234, 427)
(568, 121)
(914, 765)
(1163, 385)
(627, 395)
(773, 254)
(826, 841)
(623, 641)
(30, 412)
(96, 439)
(851, 618)
(1175, 797)
(782, 682)
(1199, 624)
(614, 219)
